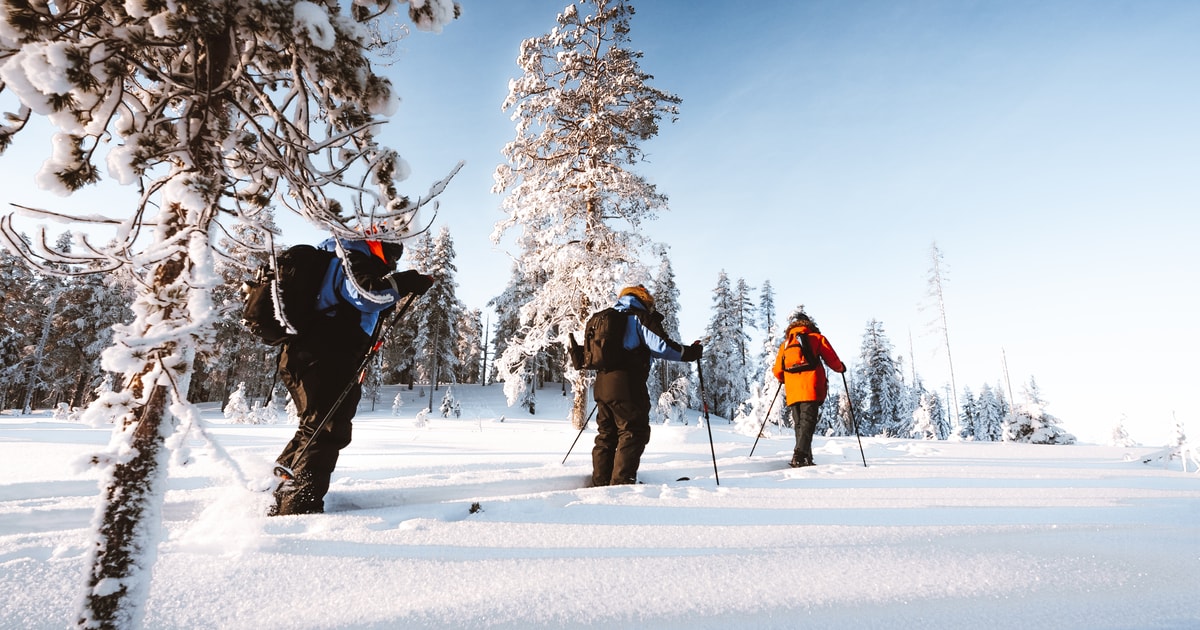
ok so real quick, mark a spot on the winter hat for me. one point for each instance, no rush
(641, 294)
(800, 318)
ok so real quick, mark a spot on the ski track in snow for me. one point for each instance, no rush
(929, 535)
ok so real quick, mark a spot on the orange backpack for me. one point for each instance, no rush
(798, 355)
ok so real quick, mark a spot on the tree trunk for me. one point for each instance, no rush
(579, 401)
(130, 517)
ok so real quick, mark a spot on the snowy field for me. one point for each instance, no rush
(930, 535)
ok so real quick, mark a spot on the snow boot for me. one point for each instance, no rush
(300, 494)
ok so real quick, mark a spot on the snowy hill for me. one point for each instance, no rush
(928, 535)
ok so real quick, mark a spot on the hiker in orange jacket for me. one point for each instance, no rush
(800, 366)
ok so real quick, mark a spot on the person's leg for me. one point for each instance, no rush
(605, 446)
(804, 417)
(312, 454)
(633, 429)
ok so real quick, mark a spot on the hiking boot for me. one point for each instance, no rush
(297, 495)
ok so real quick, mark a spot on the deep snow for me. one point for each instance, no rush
(929, 535)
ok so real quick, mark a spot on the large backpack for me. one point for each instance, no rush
(281, 303)
(798, 355)
(604, 339)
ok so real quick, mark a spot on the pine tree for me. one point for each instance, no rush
(878, 394)
(583, 107)
(969, 418)
(991, 411)
(438, 313)
(723, 360)
(664, 374)
(1030, 422)
(1120, 437)
(214, 112)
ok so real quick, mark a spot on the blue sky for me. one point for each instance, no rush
(1050, 148)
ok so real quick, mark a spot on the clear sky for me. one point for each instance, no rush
(1050, 148)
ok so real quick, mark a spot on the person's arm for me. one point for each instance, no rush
(828, 355)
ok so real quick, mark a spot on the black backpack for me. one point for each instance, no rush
(603, 341)
(276, 308)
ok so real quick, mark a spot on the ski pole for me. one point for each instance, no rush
(853, 422)
(286, 472)
(765, 418)
(707, 423)
(585, 423)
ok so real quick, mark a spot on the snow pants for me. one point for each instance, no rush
(804, 421)
(316, 372)
(623, 431)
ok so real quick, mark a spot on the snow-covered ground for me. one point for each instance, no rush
(930, 535)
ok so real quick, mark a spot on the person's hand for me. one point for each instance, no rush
(692, 352)
(406, 282)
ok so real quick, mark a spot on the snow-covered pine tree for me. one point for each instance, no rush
(470, 346)
(437, 314)
(397, 403)
(924, 426)
(450, 405)
(214, 112)
(1120, 437)
(878, 395)
(1030, 422)
(583, 107)
(968, 417)
(663, 374)
(991, 411)
(237, 410)
(674, 402)
(723, 361)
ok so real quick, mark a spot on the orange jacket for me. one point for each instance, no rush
(810, 386)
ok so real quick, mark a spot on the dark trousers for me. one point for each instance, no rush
(623, 431)
(316, 375)
(804, 420)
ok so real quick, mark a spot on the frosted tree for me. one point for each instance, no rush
(450, 405)
(397, 403)
(1030, 422)
(236, 409)
(990, 411)
(724, 363)
(214, 110)
(924, 426)
(666, 301)
(937, 283)
(674, 401)
(437, 314)
(878, 391)
(968, 424)
(470, 346)
(1120, 437)
(583, 107)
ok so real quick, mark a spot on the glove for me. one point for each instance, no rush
(407, 282)
(692, 352)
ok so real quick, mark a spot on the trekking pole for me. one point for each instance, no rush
(707, 423)
(286, 472)
(765, 418)
(853, 422)
(585, 423)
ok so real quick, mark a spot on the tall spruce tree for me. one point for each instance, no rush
(665, 374)
(724, 362)
(583, 108)
(878, 395)
(215, 110)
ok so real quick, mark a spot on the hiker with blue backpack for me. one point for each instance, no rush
(332, 333)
